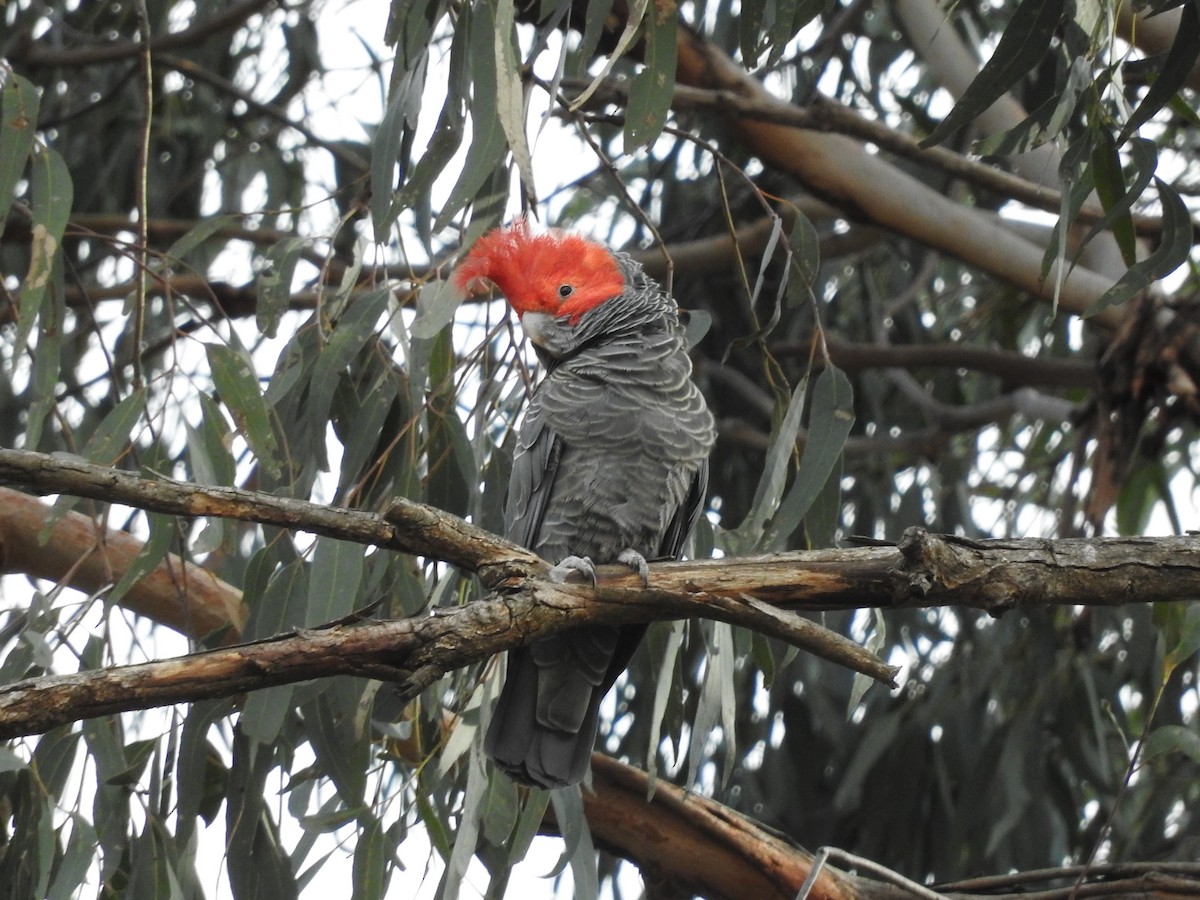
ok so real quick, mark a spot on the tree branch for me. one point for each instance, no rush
(840, 171)
(754, 592)
(406, 526)
(35, 55)
(76, 550)
(829, 116)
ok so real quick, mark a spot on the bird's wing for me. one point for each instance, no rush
(535, 464)
(685, 517)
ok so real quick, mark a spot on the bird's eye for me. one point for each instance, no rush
(565, 291)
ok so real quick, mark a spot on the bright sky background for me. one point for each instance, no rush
(343, 105)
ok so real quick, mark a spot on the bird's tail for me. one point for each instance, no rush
(544, 725)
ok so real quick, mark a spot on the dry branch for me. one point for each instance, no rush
(754, 592)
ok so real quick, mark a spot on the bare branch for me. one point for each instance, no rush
(755, 592)
(407, 526)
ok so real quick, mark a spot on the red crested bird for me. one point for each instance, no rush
(611, 465)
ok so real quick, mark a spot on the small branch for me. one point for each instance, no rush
(141, 193)
(1014, 368)
(828, 116)
(34, 55)
(423, 530)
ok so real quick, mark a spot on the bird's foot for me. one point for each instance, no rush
(637, 562)
(581, 564)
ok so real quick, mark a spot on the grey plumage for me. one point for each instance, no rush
(613, 455)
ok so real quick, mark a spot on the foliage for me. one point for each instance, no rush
(230, 272)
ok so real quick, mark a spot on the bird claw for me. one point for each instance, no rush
(581, 564)
(638, 563)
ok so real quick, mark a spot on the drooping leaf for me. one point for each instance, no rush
(1168, 740)
(19, 103)
(237, 383)
(510, 97)
(152, 552)
(334, 579)
(437, 302)
(580, 851)
(403, 108)
(829, 424)
(774, 475)
(1172, 251)
(370, 872)
(51, 196)
(488, 140)
(1116, 198)
(651, 92)
(1022, 46)
(1176, 68)
(274, 283)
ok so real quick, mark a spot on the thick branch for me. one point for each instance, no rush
(90, 557)
(696, 843)
(841, 171)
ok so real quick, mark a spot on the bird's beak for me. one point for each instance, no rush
(535, 326)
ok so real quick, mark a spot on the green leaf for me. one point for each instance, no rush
(1176, 68)
(334, 580)
(875, 643)
(403, 108)
(71, 872)
(437, 302)
(197, 235)
(771, 483)
(651, 92)
(1075, 175)
(468, 827)
(354, 329)
(51, 196)
(110, 441)
(1022, 46)
(273, 284)
(510, 96)
(152, 552)
(501, 808)
(1114, 196)
(488, 141)
(751, 18)
(806, 250)
(47, 364)
(10, 761)
(633, 21)
(18, 121)
(137, 755)
(1186, 643)
(371, 856)
(1168, 740)
(339, 737)
(237, 384)
(579, 852)
(662, 692)
(529, 823)
(265, 711)
(829, 424)
(1171, 253)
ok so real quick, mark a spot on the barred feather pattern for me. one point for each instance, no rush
(613, 455)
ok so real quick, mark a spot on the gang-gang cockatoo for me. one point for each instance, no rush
(611, 465)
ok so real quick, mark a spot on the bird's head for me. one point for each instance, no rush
(551, 279)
